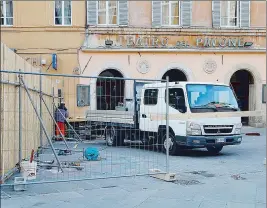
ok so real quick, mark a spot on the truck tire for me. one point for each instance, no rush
(214, 150)
(112, 137)
(172, 144)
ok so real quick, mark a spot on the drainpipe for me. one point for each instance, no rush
(86, 14)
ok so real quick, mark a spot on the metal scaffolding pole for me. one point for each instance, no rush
(41, 121)
(41, 130)
(20, 122)
(167, 126)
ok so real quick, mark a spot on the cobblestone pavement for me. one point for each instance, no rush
(235, 178)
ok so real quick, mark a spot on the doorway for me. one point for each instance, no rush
(175, 75)
(109, 92)
(242, 82)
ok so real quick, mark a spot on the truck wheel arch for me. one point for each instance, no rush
(162, 129)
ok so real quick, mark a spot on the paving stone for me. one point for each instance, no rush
(212, 204)
(239, 205)
(136, 198)
(261, 195)
(260, 205)
(153, 202)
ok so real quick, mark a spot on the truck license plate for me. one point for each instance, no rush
(220, 140)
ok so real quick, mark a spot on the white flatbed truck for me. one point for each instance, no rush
(136, 126)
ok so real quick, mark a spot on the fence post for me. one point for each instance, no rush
(41, 129)
(167, 125)
(20, 120)
(53, 109)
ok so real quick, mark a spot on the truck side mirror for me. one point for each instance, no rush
(181, 105)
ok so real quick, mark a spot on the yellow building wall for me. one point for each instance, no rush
(34, 35)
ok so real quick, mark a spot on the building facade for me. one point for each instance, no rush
(39, 30)
(218, 41)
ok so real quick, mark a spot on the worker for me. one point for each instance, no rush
(61, 115)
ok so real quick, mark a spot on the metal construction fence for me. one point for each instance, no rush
(102, 135)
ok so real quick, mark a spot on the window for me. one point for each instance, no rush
(229, 13)
(176, 98)
(151, 97)
(206, 97)
(107, 12)
(6, 13)
(63, 12)
(264, 93)
(83, 95)
(170, 13)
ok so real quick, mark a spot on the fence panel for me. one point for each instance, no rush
(107, 132)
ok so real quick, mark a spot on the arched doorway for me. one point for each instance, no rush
(242, 82)
(175, 75)
(110, 92)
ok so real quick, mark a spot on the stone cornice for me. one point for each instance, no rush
(178, 31)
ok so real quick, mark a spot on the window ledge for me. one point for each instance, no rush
(7, 26)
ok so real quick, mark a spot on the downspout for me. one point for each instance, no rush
(86, 14)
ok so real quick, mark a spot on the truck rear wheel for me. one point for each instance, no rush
(112, 137)
(172, 144)
(214, 150)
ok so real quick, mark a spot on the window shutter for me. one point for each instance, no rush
(123, 13)
(156, 13)
(216, 13)
(91, 13)
(186, 13)
(244, 13)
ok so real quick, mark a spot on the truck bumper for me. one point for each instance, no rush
(204, 141)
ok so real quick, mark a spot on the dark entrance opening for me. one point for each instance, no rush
(175, 75)
(109, 92)
(242, 82)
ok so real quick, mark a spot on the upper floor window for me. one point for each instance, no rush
(107, 12)
(229, 13)
(63, 13)
(6, 12)
(170, 13)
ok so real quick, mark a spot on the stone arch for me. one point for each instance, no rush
(114, 66)
(188, 73)
(256, 75)
(254, 91)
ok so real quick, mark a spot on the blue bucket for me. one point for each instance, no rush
(91, 153)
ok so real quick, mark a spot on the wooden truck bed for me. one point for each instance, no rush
(122, 117)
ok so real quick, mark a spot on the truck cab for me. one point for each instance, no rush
(190, 98)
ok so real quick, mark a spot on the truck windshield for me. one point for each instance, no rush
(207, 97)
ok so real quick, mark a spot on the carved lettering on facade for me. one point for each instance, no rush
(161, 42)
(220, 42)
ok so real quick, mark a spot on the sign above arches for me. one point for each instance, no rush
(179, 42)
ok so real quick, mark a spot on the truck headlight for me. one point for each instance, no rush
(238, 128)
(239, 125)
(193, 129)
(237, 131)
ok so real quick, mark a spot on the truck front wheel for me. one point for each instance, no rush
(172, 144)
(214, 150)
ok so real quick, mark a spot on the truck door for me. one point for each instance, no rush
(148, 106)
(177, 105)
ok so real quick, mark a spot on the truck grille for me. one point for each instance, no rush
(218, 129)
